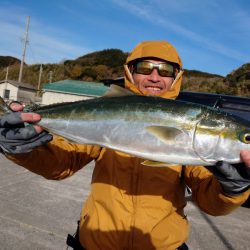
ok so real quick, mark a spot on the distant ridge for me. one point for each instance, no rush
(108, 64)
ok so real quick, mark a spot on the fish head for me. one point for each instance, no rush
(234, 138)
(221, 138)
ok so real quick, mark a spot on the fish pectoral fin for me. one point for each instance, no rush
(165, 134)
(156, 164)
(116, 91)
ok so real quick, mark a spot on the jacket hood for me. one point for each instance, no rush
(155, 49)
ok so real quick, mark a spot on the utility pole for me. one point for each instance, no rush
(6, 82)
(7, 74)
(24, 49)
(39, 78)
(50, 76)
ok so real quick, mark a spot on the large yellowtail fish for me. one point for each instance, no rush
(158, 130)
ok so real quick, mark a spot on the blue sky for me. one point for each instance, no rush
(210, 35)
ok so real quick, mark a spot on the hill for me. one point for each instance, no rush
(6, 61)
(108, 64)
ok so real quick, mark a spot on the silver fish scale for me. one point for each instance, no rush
(121, 124)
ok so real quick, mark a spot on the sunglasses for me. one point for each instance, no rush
(146, 68)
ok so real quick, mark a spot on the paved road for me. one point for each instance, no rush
(38, 214)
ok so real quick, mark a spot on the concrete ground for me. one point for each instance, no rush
(38, 214)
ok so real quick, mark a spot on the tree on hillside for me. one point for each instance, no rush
(108, 57)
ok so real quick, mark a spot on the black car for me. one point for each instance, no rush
(239, 106)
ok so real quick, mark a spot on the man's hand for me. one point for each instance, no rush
(245, 157)
(234, 179)
(16, 137)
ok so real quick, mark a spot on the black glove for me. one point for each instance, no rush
(234, 179)
(16, 138)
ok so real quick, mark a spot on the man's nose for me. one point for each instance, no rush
(154, 76)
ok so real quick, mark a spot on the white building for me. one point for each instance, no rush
(15, 91)
(71, 90)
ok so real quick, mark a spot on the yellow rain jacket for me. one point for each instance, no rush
(132, 206)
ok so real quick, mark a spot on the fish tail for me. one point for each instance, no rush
(3, 107)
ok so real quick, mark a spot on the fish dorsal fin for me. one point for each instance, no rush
(165, 134)
(157, 164)
(116, 91)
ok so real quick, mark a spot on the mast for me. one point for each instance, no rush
(24, 49)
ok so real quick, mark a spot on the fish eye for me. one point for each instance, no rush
(245, 138)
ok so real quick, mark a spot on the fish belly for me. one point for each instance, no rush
(127, 137)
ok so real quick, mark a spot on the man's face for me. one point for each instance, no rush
(153, 83)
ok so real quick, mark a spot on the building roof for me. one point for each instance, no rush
(76, 87)
(19, 84)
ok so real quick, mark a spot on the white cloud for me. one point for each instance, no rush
(46, 44)
(152, 11)
(52, 49)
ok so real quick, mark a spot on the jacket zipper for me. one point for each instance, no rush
(135, 185)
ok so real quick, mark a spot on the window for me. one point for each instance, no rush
(6, 93)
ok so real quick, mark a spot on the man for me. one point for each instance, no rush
(131, 206)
